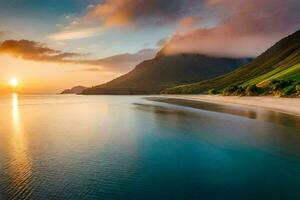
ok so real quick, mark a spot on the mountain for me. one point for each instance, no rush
(279, 66)
(152, 76)
(74, 90)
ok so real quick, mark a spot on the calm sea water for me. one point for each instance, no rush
(121, 147)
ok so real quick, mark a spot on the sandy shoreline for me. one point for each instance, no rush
(284, 105)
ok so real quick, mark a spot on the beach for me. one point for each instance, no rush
(279, 104)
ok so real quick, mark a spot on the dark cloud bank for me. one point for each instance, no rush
(35, 51)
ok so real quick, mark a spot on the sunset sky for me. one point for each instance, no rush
(56, 44)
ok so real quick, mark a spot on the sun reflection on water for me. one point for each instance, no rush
(15, 114)
(20, 166)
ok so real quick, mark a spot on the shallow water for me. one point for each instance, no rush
(124, 147)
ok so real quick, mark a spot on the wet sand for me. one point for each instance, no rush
(279, 104)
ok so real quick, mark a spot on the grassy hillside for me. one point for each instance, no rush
(151, 76)
(280, 62)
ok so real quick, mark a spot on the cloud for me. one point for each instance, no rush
(77, 33)
(31, 50)
(91, 70)
(77, 28)
(124, 12)
(245, 28)
(35, 51)
(3, 34)
(123, 62)
(120, 13)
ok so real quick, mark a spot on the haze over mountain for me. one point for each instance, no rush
(280, 62)
(151, 76)
(74, 90)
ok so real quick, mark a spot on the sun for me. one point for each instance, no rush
(13, 82)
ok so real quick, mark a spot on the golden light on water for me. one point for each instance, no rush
(21, 167)
(15, 113)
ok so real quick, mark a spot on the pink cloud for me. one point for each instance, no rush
(246, 28)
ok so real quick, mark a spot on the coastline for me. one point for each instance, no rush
(278, 104)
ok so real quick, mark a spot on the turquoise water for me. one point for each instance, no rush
(121, 147)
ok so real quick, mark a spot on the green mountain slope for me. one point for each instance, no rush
(280, 62)
(151, 76)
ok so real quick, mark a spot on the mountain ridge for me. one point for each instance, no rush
(282, 56)
(74, 90)
(163, 71)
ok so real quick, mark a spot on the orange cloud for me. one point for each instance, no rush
(124, 12)
(30, 50)
(2, 33)
(187, 24)
(35, 51)
(112, 13)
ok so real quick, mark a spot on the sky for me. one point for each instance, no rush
(51, 45)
